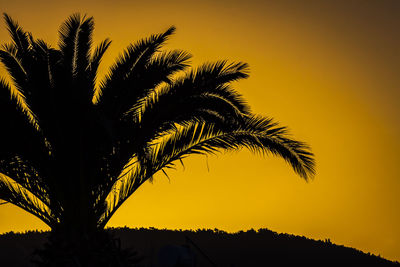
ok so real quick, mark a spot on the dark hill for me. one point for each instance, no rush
(211, 248)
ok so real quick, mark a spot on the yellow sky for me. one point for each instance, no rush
(327, 69)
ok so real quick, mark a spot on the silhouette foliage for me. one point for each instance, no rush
(76, 147)
(244, 248)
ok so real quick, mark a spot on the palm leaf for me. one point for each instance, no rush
(26, 176)
(114, 91)
(14, 67)
(75, 44)
(18, 35)
(95, 61)
(196, 97)
(12, 192)
(257, 134)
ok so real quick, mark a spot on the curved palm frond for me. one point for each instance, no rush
(12, 192)
(257, 134)
(18, 35)
(202, 95)
(123, 85)
(75, 42)
(23, 173)
(192, 98)
(14, 67)
(75, 45)
(95, 61)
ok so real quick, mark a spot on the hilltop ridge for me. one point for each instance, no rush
(210, 248)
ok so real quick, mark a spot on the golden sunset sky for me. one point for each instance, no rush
(327, 69)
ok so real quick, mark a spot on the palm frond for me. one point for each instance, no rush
(18, 35)
(184, 101)
(131, 64)
(69, 43)
(14, 68)
(219, 72)
(26, 176)
(12, 192)
(128, 182)
(39, 93)
(140, 51)
(95, 60)
(75, 45)
(164, 65)
(190, 99)
(161, 69)
(257, 134)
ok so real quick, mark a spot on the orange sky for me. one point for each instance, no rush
(327, 69)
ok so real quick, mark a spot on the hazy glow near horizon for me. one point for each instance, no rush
(327, 69)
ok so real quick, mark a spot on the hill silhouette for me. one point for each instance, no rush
(208, 248)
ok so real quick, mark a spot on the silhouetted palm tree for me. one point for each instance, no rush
(73, 149)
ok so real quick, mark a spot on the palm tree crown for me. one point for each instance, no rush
(74, 149)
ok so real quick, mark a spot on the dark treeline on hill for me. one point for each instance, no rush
(208, 248)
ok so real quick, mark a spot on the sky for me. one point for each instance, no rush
(329, 70)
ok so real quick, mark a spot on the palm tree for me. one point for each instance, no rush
(75, 148)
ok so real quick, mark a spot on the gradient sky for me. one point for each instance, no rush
(327, 69)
